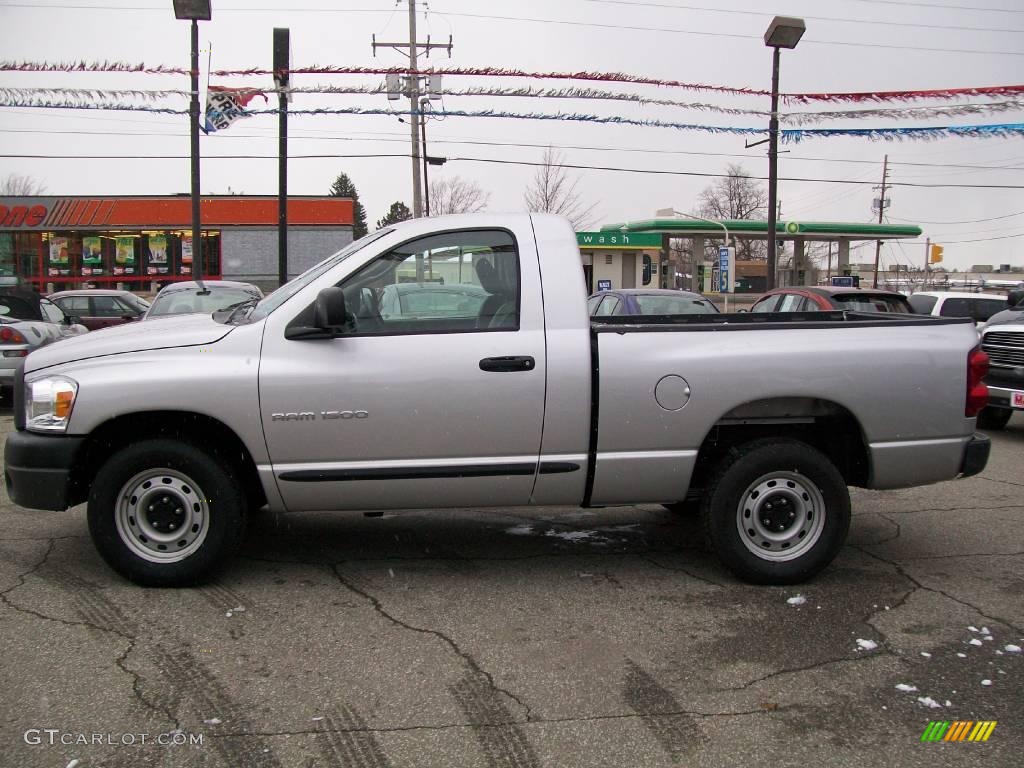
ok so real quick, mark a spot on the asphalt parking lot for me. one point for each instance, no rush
(524, 638)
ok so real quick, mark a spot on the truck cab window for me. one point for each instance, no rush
(455, 281)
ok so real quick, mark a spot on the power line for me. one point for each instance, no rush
(529, 19)
(762, 14)
(938, 6)
(983, 239)
(965, 221)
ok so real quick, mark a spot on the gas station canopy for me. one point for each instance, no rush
(743, 228)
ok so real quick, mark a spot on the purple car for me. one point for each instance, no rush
(649, 301)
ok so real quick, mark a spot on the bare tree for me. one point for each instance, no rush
(553, 191)
(455, 194)
(737, 196)
(17, 185)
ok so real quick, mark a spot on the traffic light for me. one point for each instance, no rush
(936, 255)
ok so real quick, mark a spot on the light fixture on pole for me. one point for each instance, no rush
(195, 11)
(783, 32)
(674, 212)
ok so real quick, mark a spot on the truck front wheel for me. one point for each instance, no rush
(164, 513)
(777, 511)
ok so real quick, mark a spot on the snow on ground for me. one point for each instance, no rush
(797, 600)
(866, 645)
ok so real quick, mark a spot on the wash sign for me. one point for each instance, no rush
(624, 241)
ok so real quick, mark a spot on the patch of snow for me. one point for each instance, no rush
(986, 682)
(926, 654)
(962, 655)
(213, 721)
(987, 638)
(929, 702)
(797, 600)
(998, 652)
(520, 530)
(239, 609)
(949, 703)
(318, 719)
(986, 631)
(391, 572)
(228, 614)
(974, 629)
(866, 645)
(74, 763)
(906, 688)
(572, 535)
(1011, 648)
(975, 641)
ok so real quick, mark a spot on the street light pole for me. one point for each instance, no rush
(196, 11)
(773, 171)
(783, 32)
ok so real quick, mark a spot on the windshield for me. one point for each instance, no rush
(859, 302)
(189, 302)
(660, 304)
(286, 291)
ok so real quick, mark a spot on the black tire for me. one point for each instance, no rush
(161, 495)
(794, 507)
(994, 418)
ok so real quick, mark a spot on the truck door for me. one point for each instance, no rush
(435, 396)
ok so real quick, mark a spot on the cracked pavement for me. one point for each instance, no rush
(519, 638)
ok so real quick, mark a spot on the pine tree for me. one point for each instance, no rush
(398, 211)
(343, 187)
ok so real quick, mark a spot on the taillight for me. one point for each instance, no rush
(977, 392)
(11, 336)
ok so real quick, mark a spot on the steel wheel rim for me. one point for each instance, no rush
(162, 516)
(780, 516)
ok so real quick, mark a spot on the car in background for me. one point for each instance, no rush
(806, 298)
(28, 322)
(422, 301)
(23, 304)
(187, 298)
(649, 301)
(100, 308)
(978, 306)
(1002, 339)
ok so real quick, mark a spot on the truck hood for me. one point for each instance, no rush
(1013, 316)
(176, 331)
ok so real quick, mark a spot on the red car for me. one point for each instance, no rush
(99, 308)
(806, 298)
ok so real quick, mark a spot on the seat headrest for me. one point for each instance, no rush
(488, 276)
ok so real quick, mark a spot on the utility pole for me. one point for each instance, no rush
(881, 211)
(927, 258)
(413, 92)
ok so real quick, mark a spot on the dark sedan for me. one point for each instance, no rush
(99, 307)
(805, 298)
(649, 301)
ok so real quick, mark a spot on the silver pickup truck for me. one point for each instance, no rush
(486, 384)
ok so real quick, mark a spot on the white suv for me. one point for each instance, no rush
(980, 306)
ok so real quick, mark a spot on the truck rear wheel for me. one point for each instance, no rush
(777, 511)
(164, 513)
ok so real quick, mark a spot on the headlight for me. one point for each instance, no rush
(48, 403)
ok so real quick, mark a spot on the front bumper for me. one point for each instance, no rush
(1001, 396)
(975, 455)
(38, 470)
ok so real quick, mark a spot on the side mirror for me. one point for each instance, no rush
(329, 311)
(1014, 298)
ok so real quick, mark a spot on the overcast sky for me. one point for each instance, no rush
(850, 45)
